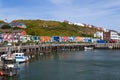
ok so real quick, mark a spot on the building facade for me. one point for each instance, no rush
(111, 36)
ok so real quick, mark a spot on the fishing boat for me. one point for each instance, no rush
(10, 66)
(20, 57)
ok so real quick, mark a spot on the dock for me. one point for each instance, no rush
(107, 46)
(49, 47)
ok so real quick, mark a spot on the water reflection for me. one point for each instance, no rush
(72, 65)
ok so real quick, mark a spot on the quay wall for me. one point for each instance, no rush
(57, 46)
(46, 47)
(107, 45)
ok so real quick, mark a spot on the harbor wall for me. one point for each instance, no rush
(48, 47)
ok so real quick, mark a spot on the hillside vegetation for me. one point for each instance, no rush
(56, 28)
(53, 28)
(1, 22)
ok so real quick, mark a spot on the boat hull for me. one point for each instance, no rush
(21, 59)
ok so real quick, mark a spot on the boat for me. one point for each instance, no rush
(20, 57)
(88, 48)
(9, 65)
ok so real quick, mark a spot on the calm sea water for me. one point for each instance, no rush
(72, 65)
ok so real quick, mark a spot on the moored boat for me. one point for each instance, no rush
(10, 67)
(20, 57)
(88, 48)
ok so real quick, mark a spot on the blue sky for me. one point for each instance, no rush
(101, 13)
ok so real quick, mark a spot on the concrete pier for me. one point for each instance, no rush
(108, 45)
(45, 48)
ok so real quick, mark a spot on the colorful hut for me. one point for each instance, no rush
(45, 38)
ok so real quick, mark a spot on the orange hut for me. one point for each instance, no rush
(45, 38)
(79, 39)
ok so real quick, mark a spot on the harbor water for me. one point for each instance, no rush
(72, 65)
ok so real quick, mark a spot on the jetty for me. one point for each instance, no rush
(107, 46)
(48, 47)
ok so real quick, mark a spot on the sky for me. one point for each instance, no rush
(101, 13)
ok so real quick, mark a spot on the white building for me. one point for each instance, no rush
(111, 35)
(79, 24)
(99, 35)
(114, 35)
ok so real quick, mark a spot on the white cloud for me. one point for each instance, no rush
(99, 13)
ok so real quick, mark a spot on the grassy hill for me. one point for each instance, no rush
(1, 22)
(56, 28)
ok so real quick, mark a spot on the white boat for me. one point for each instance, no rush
(10, 67)
(88, 48)
(20, 57)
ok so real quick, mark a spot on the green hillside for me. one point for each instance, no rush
(55, 28)
(1, 21)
